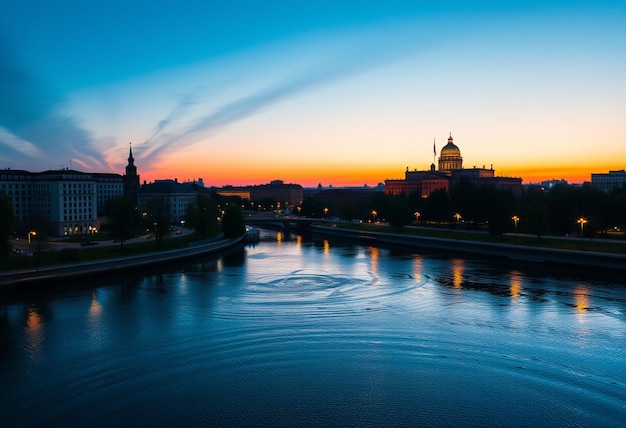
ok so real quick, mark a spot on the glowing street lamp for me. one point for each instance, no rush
(582, 222)
(515, 220)
(458, 218)
(417, 217)
(374, 214)
(33, 233)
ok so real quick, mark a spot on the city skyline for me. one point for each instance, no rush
(347, 94)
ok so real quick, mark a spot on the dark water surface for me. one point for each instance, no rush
(307, 333)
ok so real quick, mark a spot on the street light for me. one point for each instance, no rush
(458, 217)
(515, 220)
(582, 222)
(374, 214)
(33, 233)
(417, 217)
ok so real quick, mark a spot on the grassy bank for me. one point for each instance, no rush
(587, 244)
(87, 253)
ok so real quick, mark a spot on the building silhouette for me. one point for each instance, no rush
(450, 172)
(177, 197)
(609, 181)
(131, 178)
(65, 201)
(288, 195)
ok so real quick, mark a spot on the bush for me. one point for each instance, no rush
(233, 225)
(68, 255)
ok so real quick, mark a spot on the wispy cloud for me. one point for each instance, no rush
(172, 134)
(33, 122)
(21, 146)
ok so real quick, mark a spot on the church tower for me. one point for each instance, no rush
(131, 178)
(450, 157)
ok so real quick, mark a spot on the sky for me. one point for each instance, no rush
(327, 92)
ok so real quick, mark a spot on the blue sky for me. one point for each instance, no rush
(331, 92)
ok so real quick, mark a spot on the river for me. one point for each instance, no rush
(300, 331)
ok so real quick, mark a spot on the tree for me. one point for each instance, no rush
(202, 216)
(312, 207)
(123, 217)
(6, 225)
(438, 207)
(499, 219)
(399, 213)
(348, 211)
(233, 225)
(158, 217)
(538, 215)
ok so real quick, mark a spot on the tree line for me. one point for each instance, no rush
(557, 211)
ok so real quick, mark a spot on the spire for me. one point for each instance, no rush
(130, 154)
(450, 138)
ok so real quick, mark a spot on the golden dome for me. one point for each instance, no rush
(450, 149)
(450, 157)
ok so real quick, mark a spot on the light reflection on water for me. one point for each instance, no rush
(301, 332)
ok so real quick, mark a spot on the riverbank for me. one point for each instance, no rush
(587, 259)
(49, 274)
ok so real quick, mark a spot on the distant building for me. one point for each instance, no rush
(549, 184)
(66, 201)
(109, 186)
(178, 196)
(288, 195)
(17, 185)
(450, 172)
(609, 181)
(341, 200)
(422, 182)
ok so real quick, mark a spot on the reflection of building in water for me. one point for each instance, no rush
(449, 173)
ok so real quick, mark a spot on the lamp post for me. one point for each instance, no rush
(374, 214)
(31, 233)
(582, 222)
(458, 217)
(417, 217)
(515, 220)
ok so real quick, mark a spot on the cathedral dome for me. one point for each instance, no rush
(450, 149)
(450, 157)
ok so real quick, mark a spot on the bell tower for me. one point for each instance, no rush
(131, 178)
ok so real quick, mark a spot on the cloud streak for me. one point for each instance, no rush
(35, 130)
(167, 137)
